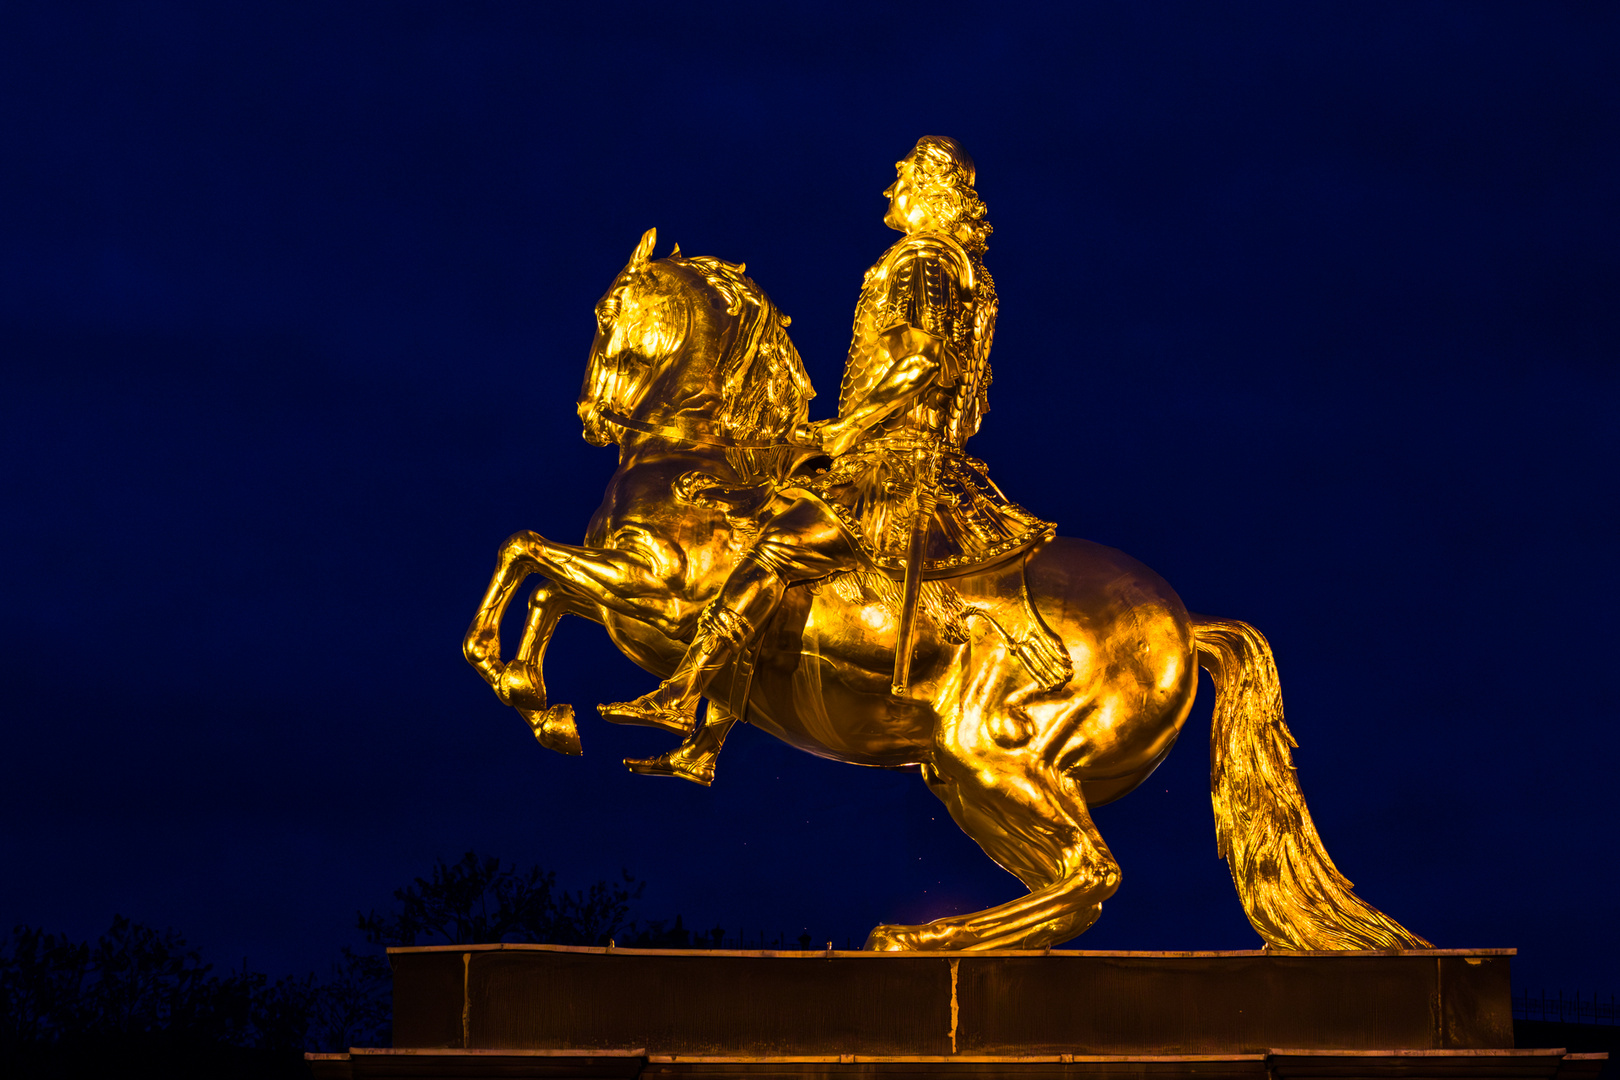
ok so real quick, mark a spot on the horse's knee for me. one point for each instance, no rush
(481, 647)
(1090, 866)
(520, 545)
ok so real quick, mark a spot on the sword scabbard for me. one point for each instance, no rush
(916, 548)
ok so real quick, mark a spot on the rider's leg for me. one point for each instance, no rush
(802, 543)
(694, 758)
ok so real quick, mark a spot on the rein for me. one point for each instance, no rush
(688, 431)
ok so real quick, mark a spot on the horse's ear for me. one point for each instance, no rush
(643, 252)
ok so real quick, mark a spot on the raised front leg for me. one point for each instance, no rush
(640, 577)
(522, 683)
(642, 582)
(638, 583)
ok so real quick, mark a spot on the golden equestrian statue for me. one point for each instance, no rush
(860, 588)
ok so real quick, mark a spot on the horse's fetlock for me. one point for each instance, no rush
(481, 646)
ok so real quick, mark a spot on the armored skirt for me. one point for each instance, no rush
(871, 491)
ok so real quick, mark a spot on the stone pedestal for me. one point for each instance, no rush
(553, 1011)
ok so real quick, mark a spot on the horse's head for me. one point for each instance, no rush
(694, 343)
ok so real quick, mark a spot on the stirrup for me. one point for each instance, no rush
(645, 711)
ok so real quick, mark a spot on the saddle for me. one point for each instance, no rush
(998, 594)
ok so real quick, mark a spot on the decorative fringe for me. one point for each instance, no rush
(938, 602)
(1294, 896)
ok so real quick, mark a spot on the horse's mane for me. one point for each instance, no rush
(766, 390)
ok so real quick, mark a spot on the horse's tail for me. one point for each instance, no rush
(1292, 893)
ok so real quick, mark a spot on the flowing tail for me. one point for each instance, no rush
(1292, 893)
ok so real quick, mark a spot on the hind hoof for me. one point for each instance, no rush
(925, 938)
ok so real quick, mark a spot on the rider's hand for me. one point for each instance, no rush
(807, 434)
(696, 488)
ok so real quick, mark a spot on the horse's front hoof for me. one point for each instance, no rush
(554, 729)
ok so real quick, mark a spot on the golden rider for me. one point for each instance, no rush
(913, 391)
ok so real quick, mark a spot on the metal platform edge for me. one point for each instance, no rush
(362, 1063)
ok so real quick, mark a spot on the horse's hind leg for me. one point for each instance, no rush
(1029, 817)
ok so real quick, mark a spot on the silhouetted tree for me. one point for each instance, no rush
(139, 1001)
(478, 899)
(350, 1008)
(136, 1001)
(134, 981)
(659, 934)
(42, 983)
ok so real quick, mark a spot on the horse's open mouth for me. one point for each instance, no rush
(597, 432)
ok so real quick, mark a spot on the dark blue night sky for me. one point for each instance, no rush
(1310, 307)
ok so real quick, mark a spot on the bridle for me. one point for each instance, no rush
(684, 429)
(680, 429)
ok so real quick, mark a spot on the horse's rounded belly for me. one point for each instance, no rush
(822, 685)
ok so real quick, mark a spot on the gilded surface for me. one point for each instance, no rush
(860, 588)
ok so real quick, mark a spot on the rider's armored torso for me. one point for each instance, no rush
(932, 282)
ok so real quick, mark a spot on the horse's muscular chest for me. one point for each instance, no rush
(689, 548)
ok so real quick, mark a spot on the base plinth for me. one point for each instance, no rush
(620, 1014)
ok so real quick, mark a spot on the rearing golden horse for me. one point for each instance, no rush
(692, 373)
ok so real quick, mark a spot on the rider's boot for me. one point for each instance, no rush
(694, 759)
(673, 706)
(750, 594)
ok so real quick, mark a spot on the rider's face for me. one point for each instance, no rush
(906, 211)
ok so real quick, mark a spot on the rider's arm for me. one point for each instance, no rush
(915, 360)
(928, 306)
